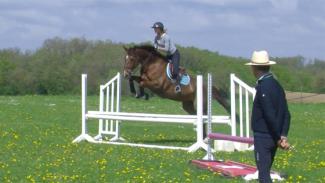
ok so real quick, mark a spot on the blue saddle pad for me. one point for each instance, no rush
(185, 79)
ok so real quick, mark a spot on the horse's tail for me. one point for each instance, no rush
(221, 96)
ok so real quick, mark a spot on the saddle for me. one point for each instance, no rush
(181, 71)
(185, 78)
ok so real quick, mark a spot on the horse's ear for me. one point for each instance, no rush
(125, 48)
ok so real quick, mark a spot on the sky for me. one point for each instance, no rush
(230, 27)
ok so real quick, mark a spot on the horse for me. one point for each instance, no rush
(153, 76)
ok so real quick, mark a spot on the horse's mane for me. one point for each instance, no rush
(150, 49)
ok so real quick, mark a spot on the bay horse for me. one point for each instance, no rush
(153, 76)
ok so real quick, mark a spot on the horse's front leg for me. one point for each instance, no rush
(142, 80)
(146, 82)
(135, 78)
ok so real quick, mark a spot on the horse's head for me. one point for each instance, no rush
(132, 60)
(139, 55)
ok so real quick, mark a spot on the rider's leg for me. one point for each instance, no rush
(175, 60)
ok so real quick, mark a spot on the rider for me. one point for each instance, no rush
(163, 43)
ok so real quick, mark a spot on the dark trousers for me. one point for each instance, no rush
(265, 149)
(175, 58)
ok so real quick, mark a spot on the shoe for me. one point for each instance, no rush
(144, 96)
(178, 89)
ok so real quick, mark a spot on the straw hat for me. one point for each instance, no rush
(260, 58)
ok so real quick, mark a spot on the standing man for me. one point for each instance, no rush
(164, 43)
(140, 94)
(270, 115)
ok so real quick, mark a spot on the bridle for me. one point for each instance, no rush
(128, 71)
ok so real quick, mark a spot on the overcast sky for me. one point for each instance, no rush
(231, 27)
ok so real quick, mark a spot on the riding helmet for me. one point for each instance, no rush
(158, 25)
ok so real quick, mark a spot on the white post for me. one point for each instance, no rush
(247, 113)
(84, 103)
(241, 111)
(209, 155)
(199, 110)
(117, 136)
(84, 135)
(112, 108)
(243, 130)
(118, 98)
(233, 105)
(101, 109)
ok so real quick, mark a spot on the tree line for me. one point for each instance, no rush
(55, 68)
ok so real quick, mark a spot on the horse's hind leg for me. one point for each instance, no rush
(222, 100)
(188, 106)
(216, 94)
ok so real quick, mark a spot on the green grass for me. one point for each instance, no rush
(36, 134)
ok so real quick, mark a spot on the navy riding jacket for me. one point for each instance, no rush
(270, 113)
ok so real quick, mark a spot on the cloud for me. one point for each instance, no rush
(319, 21)
(285, 5)
(224, 2)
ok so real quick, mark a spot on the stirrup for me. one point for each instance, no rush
(178, 88)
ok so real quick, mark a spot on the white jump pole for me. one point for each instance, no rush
(209, 155)
(101, 109)
(117, 109)
(84, 135)
(199, 123)
(109, 102)
(233, 105)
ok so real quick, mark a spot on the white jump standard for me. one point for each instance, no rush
(109, 115)
(227, 168)
(112, 113)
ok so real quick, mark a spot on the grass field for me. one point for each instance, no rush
(36, 134)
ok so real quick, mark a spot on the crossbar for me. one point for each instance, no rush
(143, 145)
(220, 136)
(154, 117)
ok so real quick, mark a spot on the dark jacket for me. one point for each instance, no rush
(270, 113)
